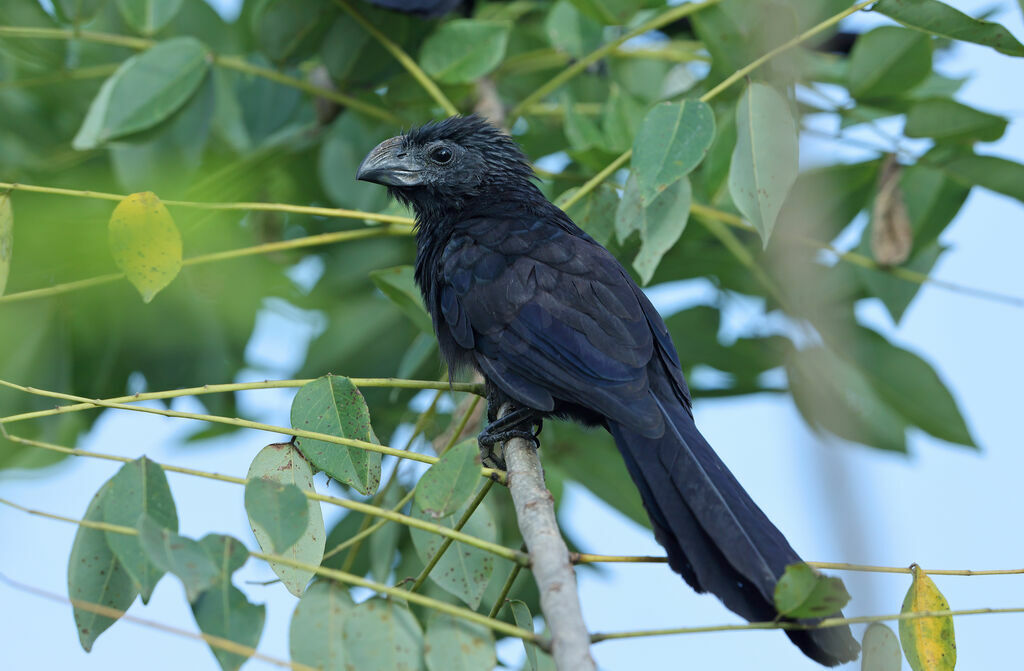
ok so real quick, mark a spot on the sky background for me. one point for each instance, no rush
(941, 506)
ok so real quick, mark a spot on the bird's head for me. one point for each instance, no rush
(451, 162)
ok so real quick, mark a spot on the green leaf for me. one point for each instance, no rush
(279, 510)
(880, 649)
(629, 215)
(663, 223)
(78, 11)
(453, 644)
(463, 50)
(949, 120)
(179, 555)
(896, 294)
(284, 464)
(382, 636)
(145, 243)
(225, 612)
(315, 636)
(384, 541)
(998, 174)
(595, 212)
(621, 118)
(933, 198)
(145, 90)
(928, 642)
(581, 131)
(463, 570)
(524, 620)
(148, 16)
(6, 239)
(48, 54)
(937, 18)
(96, 576)
(333, 405)
(139, 488)
(910, 386)
(610, 12)
(764, 162)
(227, 553)
(570, 31)
(451, 481)
(290, 30)
(399, 285)
(831, 394)
(804, 593)
(672, 141)
(888, 61)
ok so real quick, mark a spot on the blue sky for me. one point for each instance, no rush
(940, 506)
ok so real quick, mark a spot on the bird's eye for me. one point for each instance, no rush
(441, 155)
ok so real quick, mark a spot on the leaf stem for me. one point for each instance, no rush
(403, 58)
(76, 74)
(505, 589)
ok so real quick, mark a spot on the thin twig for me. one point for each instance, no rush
(549, 556)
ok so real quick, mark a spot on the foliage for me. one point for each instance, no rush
(169, 102)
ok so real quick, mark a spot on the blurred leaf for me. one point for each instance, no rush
(278, 509)
(139, 488)
(145, 90)
(399, 285)
(291, 30)
(595, 213)
(266, 106)
(933, 198)
(609, 12)
(581, 131)
(6, 239)
(179, 555)
(823, 201)
(384, 541)
(880, 649)
(227, 553)
(382, 636)
(450, 482)
(998, 174)
(663, 222)
(910, 386)
(937, 18)
(802, 592)
(463, 570)
(78, 11)
(629, 216)
(928, 642)
(463, 50)
(283, 463)
(672, 141)
(896, 293)
(95, 575)
(347, 142)
(831, 394)
(453, 644)
(764, 162)
(622, 114)
(347, 527)
(570, 31)
(888, 61)
(318, 626)
(949, 120)
(145, 243)
(891, 237)
(333, 405)
(225, 612)
(521, 614)
(44, 54)
(148, 16)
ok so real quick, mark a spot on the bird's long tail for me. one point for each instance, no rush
(714, 533)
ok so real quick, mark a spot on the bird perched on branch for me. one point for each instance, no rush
(558, 328)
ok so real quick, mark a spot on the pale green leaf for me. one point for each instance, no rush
(450, 482)
(571, 31)
(399, 285)
(663, 222)
(148, 16)
(179, 555)
(382, 636)
(6, 239)
(880, 649)
(888, 61)
(524, 620)
(283, 463)
(279, 509)
(453, 644)
(463, 50)
(316, 634)
(673, 139)
(225, 612)
(764, 161)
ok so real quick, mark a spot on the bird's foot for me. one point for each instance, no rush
(498, 431)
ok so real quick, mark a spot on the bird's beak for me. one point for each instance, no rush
(390, 165)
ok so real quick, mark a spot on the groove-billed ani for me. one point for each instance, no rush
(558, 328)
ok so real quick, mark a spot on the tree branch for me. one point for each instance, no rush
(549, 556)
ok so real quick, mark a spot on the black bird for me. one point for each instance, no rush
(558, 328)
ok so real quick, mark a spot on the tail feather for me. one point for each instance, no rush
(716, 537)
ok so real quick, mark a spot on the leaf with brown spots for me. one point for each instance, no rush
(145, 243)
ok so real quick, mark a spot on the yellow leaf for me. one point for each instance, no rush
(928, 642)
(145, 243)
(6, 239)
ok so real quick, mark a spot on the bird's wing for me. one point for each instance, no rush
(551, 316)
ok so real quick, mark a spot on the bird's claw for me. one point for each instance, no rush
(489, 440)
